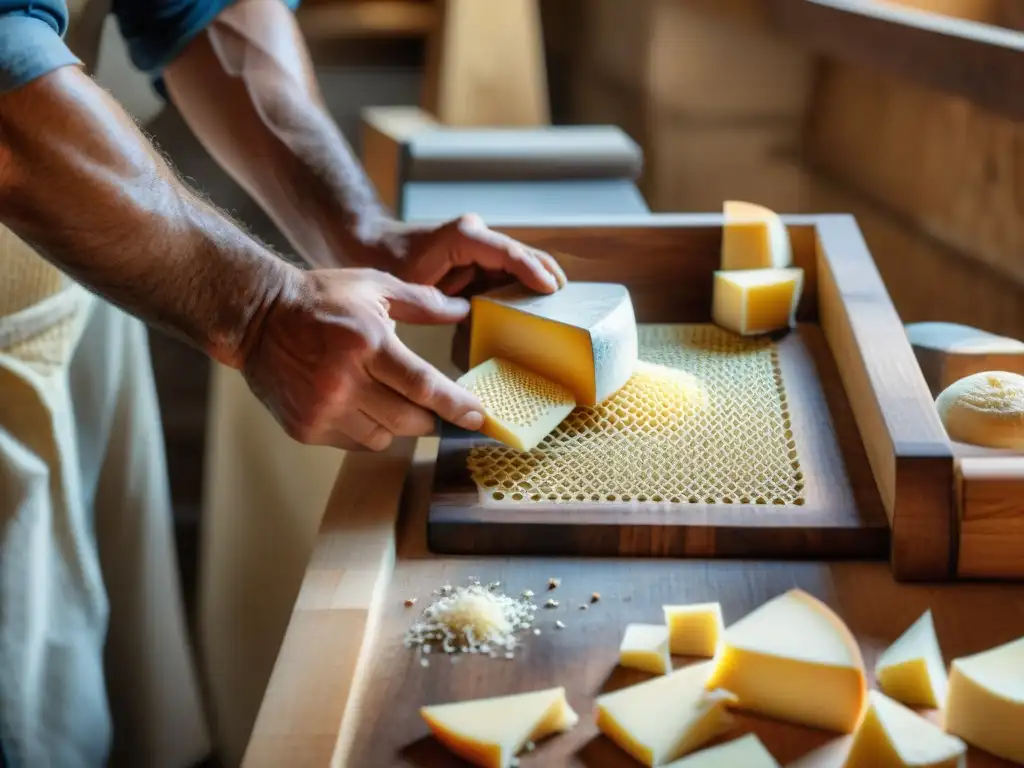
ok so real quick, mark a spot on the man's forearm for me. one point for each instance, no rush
(81, 184)
(247, 89)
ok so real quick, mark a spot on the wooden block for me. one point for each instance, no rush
(384, 132)
(990, 496)
(332, 20)
(947, 352)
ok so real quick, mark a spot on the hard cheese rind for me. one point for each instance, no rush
(490, 732)
(985, 703)
(911, 670)
(744, 752)
(891, 735)
(694, 630)
(756, 301)
(754, 237)
(582, 337)
(665, 718)
(520, 407)
(645, 647)
(793, 659)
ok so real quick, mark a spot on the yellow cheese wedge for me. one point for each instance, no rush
(793, 659)
(582, 337)
(694, 630)
(667, 717)
(754, 237)
(985, 704)
(491, 732)
(645, 647)
(749, 302)
(520, 408)
(911, 670)
(744, 752)
(891, 735)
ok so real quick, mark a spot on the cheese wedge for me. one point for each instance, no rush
(693, 630)
(744, 752)
(520, 408)
(793, 659)
(891, 735)
(582, 337)
(667, 717)
(985, 703)
(750, 302)
(645, 647)
(491, 732)
(911, 670)
(754, 237)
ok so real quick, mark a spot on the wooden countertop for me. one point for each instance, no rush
(335, 699)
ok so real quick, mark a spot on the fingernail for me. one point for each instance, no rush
(457, 304)
(472, 420)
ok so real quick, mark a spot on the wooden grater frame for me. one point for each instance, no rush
(667, 261)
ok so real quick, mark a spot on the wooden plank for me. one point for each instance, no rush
(384, 133)
(905, 441)
(841, 516)
(947, 352)
(990, 495)
(366, 18)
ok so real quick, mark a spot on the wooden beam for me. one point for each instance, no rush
(362, 18)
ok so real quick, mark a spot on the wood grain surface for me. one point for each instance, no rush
(842, 517)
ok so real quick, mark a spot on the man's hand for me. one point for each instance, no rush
(328, 363)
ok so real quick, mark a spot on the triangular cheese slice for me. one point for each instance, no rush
(754, 237)
(744, 752)
(985, 703)
(891, 735)
(911, 670)
(491, 732)
(667, 717)
(795, 660)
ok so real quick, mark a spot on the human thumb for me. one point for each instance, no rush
(423, 304)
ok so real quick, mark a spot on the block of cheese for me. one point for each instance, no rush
(891, 735)
(985, 408)
(985, 702)
(911, 670)
(645, 647)
(754, 237)
(744, 752)
(666, 717)
(693, 630)
(491, 732)
(582, 337)
(793, 659)
(520, 407)
(749, 302)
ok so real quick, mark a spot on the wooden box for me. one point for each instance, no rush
(880, 460)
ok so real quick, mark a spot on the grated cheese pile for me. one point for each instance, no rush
(472, 619)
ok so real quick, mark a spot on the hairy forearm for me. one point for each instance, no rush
(247, 89)
(82, 185)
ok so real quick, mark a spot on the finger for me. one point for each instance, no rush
(457, 281)
(398, 367)
(551, 264)
(396, 414)
(356, 426)
(413, 303)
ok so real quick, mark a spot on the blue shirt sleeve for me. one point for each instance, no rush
(31, 40)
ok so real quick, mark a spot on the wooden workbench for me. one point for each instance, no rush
(345, 692)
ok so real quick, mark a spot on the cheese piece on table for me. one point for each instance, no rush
(754, 301)
(891, 735)
(911, 670)
(645, 647)
(744, 752)
(754, 237)
(985, 703)
(491, 732)
(520, 407)
(582, 337)
(693, 630)
(793, 659)
(666, 717)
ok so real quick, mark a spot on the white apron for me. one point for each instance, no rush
(95, 663)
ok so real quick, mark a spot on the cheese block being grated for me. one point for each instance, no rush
(520, 407)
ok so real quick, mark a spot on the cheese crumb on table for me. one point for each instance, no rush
(645, 647)
(490, 732)
(891, 735)
(911, 670)
(744, 752)
(753, 237)
(756, 301)
(694, 630)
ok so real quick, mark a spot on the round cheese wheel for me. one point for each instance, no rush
(985, 409)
